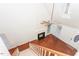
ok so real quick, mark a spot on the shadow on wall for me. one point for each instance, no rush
(55, 29)
(5, 40)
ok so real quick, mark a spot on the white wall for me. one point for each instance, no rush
(73, 21)
(58, 18)
(21, 22)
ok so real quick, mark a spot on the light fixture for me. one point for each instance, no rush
(66, 13)
(67, 8)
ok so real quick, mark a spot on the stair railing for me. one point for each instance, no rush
(43, 51)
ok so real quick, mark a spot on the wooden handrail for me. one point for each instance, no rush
(43, 51)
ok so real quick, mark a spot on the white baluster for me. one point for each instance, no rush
(42, 52)
(49, 53)
(45, 53)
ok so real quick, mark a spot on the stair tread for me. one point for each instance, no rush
(27, 52)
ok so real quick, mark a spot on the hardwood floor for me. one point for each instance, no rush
(12, 50)
(21, 48)
(56, 44)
